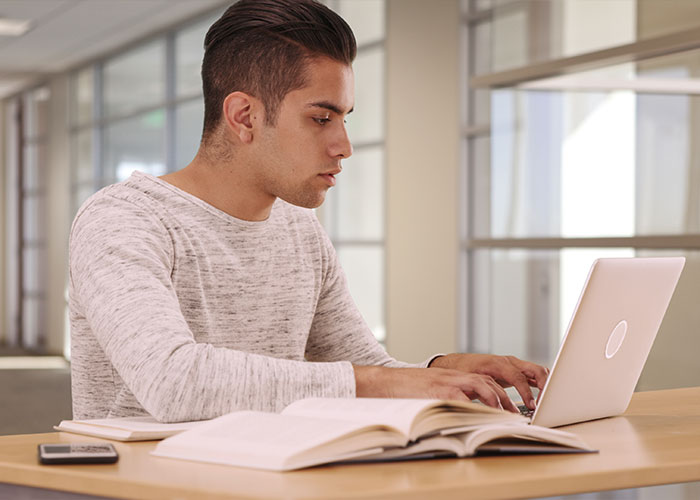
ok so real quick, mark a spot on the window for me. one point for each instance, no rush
(82, 114)
(141, 68)
(27, 166)
(115, 130)
(577, 145)
(189, 108)
(353, 213)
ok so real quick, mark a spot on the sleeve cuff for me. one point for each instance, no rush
(426, 363)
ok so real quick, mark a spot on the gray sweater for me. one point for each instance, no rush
(183, 312)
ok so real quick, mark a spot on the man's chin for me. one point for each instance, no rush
(306, 201)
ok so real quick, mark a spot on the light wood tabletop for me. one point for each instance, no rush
(657, 441)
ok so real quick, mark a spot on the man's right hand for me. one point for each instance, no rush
(432, 383)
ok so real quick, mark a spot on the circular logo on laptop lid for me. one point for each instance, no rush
(617, 336)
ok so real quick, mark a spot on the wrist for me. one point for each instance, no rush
(438, 361)
(366, 380)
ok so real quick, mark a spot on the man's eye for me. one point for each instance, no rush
(322, 121)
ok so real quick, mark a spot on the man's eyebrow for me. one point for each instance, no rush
(330, 106)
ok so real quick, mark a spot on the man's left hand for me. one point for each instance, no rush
(506, 370)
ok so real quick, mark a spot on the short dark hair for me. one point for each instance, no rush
(262, 47)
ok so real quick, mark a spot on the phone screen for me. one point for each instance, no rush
(77, 453)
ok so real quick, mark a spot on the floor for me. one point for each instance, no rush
(33, 399)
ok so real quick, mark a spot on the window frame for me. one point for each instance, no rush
(531, 75)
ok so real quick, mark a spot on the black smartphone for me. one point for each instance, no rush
(77, 453)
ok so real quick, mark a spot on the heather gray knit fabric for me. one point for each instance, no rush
(184, 312)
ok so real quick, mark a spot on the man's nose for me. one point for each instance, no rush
(342, 147)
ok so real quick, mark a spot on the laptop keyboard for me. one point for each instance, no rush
(524, 410)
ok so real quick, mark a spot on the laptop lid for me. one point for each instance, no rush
(608, 339)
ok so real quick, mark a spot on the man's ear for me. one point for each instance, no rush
(240, 110)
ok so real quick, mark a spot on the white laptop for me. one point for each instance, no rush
(608, 340)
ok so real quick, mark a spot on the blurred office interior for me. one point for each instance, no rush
(500, 147)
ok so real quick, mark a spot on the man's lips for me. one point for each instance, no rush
(329, 176)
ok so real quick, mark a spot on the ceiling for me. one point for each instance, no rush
(66, 33)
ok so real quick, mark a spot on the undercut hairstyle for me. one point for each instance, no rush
(263, 47)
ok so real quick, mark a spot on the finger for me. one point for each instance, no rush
(459, 395)
(479, 388)
(506, 402)
(532, 371)
(515, 378)
(507, 374)
(491, 394)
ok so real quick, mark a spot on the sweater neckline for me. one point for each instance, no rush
(190, 198)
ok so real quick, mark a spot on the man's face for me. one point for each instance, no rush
(298, 158)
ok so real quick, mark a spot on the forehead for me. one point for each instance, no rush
(326, 81)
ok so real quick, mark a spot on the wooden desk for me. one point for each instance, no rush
(657, 441)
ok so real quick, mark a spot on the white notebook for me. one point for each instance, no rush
(125, 428)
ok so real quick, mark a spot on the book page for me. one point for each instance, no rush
(414, 417)
(432, 447)
(472, 440)
(398, 413)
(274, 441)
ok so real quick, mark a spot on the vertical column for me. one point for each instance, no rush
(422, 176)
(58, 190)
(3, 222)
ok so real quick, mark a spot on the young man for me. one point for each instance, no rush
(214, 288)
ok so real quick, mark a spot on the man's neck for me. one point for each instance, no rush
(223, 186)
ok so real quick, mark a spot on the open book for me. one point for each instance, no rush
(324, 430)
(124, 428)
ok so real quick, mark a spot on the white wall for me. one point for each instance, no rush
(423, 109)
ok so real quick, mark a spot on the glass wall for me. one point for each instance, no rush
(564, 165)
(115, 130)
(27, 165)
(353, 213)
